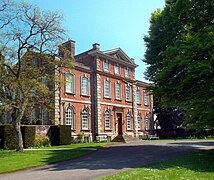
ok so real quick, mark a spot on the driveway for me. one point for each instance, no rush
(111, 160)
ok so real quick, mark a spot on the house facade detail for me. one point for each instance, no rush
(100, 96)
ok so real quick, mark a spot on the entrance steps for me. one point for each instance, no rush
(126, 139)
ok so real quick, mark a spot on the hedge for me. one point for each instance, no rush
(8, 140)
(60, 135)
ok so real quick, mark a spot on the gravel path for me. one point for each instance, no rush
(111, 160)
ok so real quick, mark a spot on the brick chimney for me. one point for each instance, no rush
(67, 46)
(96, 46)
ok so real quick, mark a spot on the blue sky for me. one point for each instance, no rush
(111, 23)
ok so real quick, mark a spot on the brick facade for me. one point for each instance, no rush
(109, 111)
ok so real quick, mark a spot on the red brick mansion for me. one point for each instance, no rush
(101, 98)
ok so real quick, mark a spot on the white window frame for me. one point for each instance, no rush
(147, 122)
(84, 118)
(106, 65)
(118, 91)
(107, 119)
(107, 88)
(139, 121)
(84, 86)
(146, 98)
(128, 92)
(69, 83)
(69, 116)
(116, 69)
(128, 121)
(138, 96)
(44, 116)
(127, 72)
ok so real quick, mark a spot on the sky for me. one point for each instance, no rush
(111, 23)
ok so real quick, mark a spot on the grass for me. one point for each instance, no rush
(10, 160)
(196, 166)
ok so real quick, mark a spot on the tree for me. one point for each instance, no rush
(29, 39)
(180, 58)
(168, 118)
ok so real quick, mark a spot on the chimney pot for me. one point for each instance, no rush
(96, 46)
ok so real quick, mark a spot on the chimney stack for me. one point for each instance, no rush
(96, 46)
(68, 46)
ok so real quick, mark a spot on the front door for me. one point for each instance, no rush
(119, 123)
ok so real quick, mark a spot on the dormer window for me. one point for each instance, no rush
(106, 66)
(117, 69)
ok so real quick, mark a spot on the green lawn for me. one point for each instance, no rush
(192, 167)
(10, 160)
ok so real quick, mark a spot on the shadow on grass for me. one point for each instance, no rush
(132, 156)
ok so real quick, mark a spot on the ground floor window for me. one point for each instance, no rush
(85, 118)
(139, 121)
(147, 122)
(128, 120)
(107, 119)
(69, 117)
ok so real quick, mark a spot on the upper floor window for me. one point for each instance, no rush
(147, 122)
(33, 116)
(84, 85)
(69, 83)
(85, 118)
(138, 96)
(128, 121)
(69, 117)
(44, 116)
(117, 69)
(127, 72)
(107, 88)
(106, 66)
(139, 121)
(128, 92)
(146, 98)
(118, 91)
(107, 119)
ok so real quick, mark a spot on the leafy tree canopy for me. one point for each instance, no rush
(180, 58)
(29, 39)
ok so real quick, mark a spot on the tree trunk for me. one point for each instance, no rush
(18, 134)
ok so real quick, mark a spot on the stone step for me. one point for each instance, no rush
(126, 139)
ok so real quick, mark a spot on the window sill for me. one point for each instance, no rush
(107, 97)
(70, 93)
(118, 99)
(86, 130)
(85, 95)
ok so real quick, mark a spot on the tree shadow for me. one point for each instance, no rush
(118, 157)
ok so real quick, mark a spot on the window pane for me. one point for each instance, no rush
(128, 94)
(84, 86)
(117, 69)
(69, 83)
(118, 91)
(84, 119)
(107, 88)
(128, 120)
(146, 98)
(107, 120)
(44, 116)
(147, 122)
(138, 96)
(139, 122)
(106, 65)
(127, 72)
(69, 119)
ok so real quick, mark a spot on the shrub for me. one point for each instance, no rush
(9, 140)
(60, 135)
(28, 134)
(42, 141)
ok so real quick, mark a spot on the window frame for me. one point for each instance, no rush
(128, 96)
(107, 112)
(72, 121)
(72, 81)
(128, 121)
(106, 62)
(127, 72)
(138, 96)
(139, 121)
(85, 112)
(119, 85)
(146, 98)
(107, 94)
(117, 69)
(44, 116)
(147, 122)
(87, 86)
